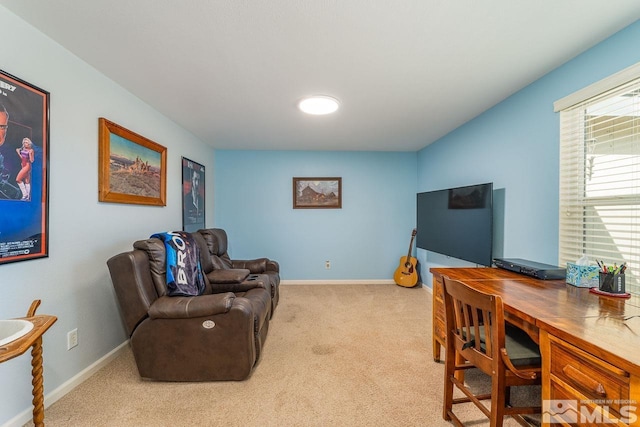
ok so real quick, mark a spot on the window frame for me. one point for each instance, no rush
(577, 209)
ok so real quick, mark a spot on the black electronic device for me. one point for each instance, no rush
(531, 268)
(457, 222)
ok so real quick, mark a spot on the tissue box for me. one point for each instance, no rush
(583, 276)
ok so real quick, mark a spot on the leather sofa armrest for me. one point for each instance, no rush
(234, 275)
(255, 266)
(167, 307)
(250, 282)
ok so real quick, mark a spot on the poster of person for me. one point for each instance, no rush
(24, 175)
(192, 195)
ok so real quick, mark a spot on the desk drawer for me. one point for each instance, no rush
(438, 290)
(439, 331)
(438, 300)
(590, 376)
(573, 414)
(438, 317)
(438, 311)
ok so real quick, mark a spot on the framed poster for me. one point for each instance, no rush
(192, 195)
(24, 170)
(317, 193)
(133, 169)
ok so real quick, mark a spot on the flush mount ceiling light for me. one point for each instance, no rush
(319, 105)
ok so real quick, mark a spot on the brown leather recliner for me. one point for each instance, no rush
(214, 336)
(219, 261)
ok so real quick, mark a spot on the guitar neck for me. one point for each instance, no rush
(409, 251)
(413, 236)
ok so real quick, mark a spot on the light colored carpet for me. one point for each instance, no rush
(336, 355)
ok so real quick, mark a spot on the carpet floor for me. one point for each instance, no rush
(336, 355)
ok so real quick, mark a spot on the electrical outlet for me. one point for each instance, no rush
(327, 265)
(72, 339)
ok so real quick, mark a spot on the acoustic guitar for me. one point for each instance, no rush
(406, 274)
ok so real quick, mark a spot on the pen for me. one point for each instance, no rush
(622, 268)
(604, 268)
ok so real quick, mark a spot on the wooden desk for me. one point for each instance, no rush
(590, 344)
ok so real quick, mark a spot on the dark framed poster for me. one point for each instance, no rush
(24, 170)
(192, 195)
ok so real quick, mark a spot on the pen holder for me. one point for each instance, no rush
(611, 283)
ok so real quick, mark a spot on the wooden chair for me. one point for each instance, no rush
(477, 337)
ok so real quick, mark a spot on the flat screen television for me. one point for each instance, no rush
(457, 222)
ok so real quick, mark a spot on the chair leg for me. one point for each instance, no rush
(449, 371)
(498, 397)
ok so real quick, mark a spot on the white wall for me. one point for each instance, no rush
(73, 282)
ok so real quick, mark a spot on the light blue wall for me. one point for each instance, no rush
(515, 145)
(363, 240)
(73, 282)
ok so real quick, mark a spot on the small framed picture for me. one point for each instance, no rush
(133, 169)
(193, 195)
(317, 193)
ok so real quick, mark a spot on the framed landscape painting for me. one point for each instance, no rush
(192, 195)
(24, 170)
(133, 169)
(317, 193)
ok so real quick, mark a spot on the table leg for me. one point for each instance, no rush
(38, 383)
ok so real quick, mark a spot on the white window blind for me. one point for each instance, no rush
(600, 180)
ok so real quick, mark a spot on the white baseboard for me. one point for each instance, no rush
(349, 282)
(52, 397)
(338, 282)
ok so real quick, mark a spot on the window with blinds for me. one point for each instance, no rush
(600, 178)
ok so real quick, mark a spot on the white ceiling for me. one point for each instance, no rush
(406, 72)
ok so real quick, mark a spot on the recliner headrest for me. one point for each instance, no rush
(157, 262)
(220, 241)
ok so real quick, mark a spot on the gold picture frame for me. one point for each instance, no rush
(132, 168)
(317, 193)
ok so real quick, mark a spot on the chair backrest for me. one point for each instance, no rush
(135, 289)
(474, 324)
(155, 250)
(216, 242)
